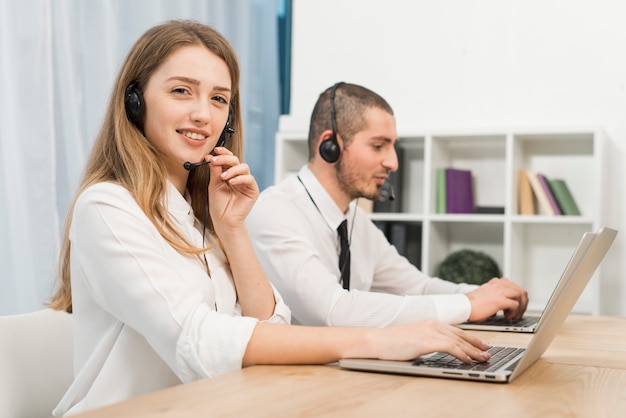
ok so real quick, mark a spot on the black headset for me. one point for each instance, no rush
(329, 148)
(136, 108)
(228, 131)
(134, 105)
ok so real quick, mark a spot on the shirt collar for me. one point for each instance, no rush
(327, 207)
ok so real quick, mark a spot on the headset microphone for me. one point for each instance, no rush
(392, 194)
(190, 166)
(221, 142)
(387, 194)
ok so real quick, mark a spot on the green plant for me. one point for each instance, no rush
(468, 266)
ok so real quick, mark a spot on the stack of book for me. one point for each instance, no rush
(540, 195)
(455, 191)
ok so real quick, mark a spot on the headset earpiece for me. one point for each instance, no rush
(329, 148)
(134, 105)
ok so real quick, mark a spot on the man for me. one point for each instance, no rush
(294, 227)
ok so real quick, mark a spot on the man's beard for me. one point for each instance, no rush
(348, 183)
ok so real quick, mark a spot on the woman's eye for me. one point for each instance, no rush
(180, 90)
(220, 99)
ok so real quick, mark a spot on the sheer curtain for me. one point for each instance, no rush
(58, 60)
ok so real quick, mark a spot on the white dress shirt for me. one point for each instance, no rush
(145, 316)
(293, 227)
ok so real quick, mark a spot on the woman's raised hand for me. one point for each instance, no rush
(232, 189)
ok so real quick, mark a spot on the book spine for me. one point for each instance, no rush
(441, 190)
(459, 191)
(525, 196)
(546, 188)
(564, 197)
(413, 248)
(542, 199)
(397, 237)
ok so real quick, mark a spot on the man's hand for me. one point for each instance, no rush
(498, 295)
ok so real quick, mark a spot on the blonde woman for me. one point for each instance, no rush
(157, 265)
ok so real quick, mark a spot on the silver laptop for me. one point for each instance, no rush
(529, 323)
(506, 363)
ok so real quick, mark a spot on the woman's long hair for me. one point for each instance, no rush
(121, 153)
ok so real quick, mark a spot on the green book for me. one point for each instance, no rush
(442, 206)
(563, 197)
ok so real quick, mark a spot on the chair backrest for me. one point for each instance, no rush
(36, 368)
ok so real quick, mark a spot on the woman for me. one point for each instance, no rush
(156, 263)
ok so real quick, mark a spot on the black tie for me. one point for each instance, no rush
(344, 255)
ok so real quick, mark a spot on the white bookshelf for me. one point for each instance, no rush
(530, 249)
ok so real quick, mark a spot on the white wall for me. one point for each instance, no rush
(464, 64)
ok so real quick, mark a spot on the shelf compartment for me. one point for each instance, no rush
(448, 237)
(484, 155)
(567, 156)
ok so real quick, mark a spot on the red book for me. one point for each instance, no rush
(459, 191)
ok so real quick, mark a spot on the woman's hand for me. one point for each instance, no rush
(287, 344)
(423, 337)
(232, 189)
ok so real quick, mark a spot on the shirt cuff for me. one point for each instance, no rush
(282, 313)
(452, 309)
(211, 344)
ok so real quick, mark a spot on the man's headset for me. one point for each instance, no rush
(329, 148)
(135, 107)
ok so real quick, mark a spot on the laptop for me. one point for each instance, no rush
(506, 363)
(529, 323)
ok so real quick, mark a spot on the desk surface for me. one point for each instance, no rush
(582, 374)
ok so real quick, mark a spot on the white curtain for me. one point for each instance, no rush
(58, 60)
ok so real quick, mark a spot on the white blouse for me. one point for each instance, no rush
(145, 316)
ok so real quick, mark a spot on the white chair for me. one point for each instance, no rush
(36, 366)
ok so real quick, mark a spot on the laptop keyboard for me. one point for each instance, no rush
(499, 357)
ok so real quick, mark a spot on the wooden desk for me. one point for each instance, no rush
(582, 374)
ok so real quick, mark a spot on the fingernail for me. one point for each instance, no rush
(485, 355)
